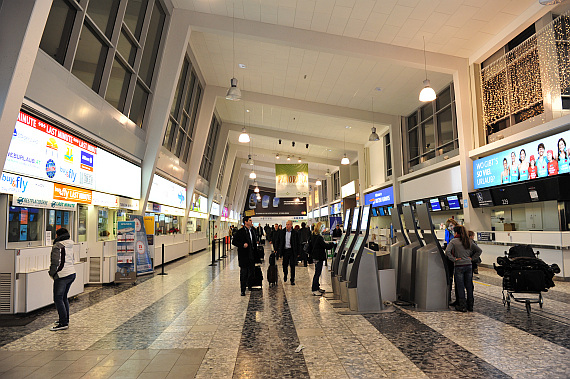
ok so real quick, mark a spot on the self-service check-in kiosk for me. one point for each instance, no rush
(338, 254)
(396, 248)
(408, 266)
(431, 278)
(341, 273)
(362, 274)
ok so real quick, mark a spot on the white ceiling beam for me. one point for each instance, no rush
(318, 41)
(306, 159)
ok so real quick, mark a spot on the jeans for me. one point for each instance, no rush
(60, 291)
(289, 260)
(464, 281)
(318, 269)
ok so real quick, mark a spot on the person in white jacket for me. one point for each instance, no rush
(62, 272)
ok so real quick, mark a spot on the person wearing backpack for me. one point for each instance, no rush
(305, 234)
(462, 251)
(317, 250)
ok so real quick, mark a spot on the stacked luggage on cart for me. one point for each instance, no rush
(524, 273)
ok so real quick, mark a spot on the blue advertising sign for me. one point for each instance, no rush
(126, 272)
(384, 196)
(545, 157)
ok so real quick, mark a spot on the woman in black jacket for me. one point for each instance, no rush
(317, 251)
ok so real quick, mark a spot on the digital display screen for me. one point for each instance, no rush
(484, 198)
(381, 211)
(374, 212)
(355, 219)
(365, 216)
(453, 202)
(358, 243)
(349, 242)
(406, 204)
(435, 206)
(419, 202)
(346, 219)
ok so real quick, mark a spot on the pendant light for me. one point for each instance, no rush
(234, 94)
(318, 182)
(299, 160)
(277, 156)
(243, 137)
(252, 175)
(288, 158)
(344, 160)
(373, 136)
(328, 173)
(249, 160)
(427, 94)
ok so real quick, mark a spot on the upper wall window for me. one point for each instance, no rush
(388, 154)
(430, 131)
(210, 148)
(110, 47)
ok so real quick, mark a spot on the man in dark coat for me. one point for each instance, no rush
(276, 238)
(245, 241)
(289, 248)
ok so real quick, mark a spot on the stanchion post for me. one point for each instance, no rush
(213, 253)
(224, 240)
(162, 270)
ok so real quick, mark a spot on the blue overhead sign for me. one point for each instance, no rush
(384, 196)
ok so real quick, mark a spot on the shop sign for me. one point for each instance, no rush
(125, 203)
(336, 208)
(24, 186)
(126, 272)
(172, 210)
(105, 200)
(384, 196)
(142, 253)
(79, 195)
(21, 201)
(348, 189)
(316, 213)
(292, 180)
(324, 211)
(541, 158)
(197, 214)
(225, 212)
(165, 192)
(117, 176)
(485, 236)
(42, 151)
(156, 207)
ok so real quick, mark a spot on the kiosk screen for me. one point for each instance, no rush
(453, 202)
(347, 215)
(381, 211)
(389, 211)
(374, 212)
(355, 219)
(365, 216)
(349, 241)
(358, 243)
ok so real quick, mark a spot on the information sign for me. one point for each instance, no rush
(126, 270)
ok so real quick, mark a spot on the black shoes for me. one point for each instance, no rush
(58, 326)
(292, 282)
(470, 305)
(460, 306)
(285, 277)
(243, 293)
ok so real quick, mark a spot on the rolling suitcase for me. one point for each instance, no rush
(260, 254)
(272, 271)
(257, 280)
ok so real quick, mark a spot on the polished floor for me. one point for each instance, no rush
(194, 323)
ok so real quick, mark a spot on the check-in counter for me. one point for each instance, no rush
(198, 242)
(175, 246)
(34, 287)
(554, 247)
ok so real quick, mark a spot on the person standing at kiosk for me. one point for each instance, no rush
(317, 251)
(462, 251)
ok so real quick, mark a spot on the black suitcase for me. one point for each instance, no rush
(272, 275)
(262, 242)
(260, 254)
(257, 280)
(272, 259)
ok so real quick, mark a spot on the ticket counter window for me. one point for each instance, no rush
(25, 226)
(82, 229)
(58, 219)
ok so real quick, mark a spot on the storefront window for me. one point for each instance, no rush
(106, 224)
(58, 219)
(25, 225)
(82, 229)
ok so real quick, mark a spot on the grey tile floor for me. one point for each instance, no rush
(194, 323)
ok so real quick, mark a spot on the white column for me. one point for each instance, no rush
(475, 219)
(203, 122)
(22, 24)
(175, 47)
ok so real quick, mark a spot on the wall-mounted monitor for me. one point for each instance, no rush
(435, 205)
(381, 211)
(453, 202)
(374, 212)
(355, 219)
(389, 211)
(364, 219)
(484, 198)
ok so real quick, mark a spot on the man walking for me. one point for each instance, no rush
(245, 241)
(290, 246)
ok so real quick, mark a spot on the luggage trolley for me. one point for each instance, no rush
(524, 273)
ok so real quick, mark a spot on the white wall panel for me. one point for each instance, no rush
(435, 184)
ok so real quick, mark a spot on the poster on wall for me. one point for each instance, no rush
(163, 191)
(125, 252)
(143, 261)
(538, 159)
(270, 205)
(292, 180)
(42, 151)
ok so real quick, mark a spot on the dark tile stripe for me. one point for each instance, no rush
(141, 330)
(269, 338)
(436, 355)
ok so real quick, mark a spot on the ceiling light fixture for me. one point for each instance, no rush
(299, 160)
(277, 156)
(243, 137)
(307, 146)
(427, 94)
(549, 2)
(328, 173)
(373, 136)
(293, 143)
(256, 189)
(288, 158)
(249, 160)
(318, 182)
(252, 175)
(234, 94)
(345, 160)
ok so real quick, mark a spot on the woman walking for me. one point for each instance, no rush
(317, 250)
(462, 251)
